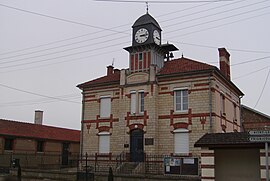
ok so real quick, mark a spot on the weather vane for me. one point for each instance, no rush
(147, 7)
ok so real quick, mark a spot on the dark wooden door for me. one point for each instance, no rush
(136, 145)
(65, 148)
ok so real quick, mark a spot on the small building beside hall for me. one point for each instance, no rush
(158, 105)
(254, 120)
(34, 142)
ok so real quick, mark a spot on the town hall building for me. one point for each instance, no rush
(158, 105)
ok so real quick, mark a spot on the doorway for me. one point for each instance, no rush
(65, 149)
(136, 145)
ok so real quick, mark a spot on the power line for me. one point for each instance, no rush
(262, 89)
(254, 60)
(38, 101)
(219, 19)
(60, 19)
(88, 45)
(56, 52)
(213, 47)
(63, 56)
(37, 94)
(50, 59)
(160, 2)
(85, 40)
(250, 73)
(213, 27)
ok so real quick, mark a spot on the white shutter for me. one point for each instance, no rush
(181, 141)
(133, 103)
(104, 143)
(105, 107)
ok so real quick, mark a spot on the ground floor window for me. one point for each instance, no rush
(104, 142)
(8, 144)
(181, 141)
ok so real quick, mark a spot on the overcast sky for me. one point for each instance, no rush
(48, 47)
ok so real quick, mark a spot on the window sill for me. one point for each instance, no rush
(181, 112)
(104, 118)
(137, 114)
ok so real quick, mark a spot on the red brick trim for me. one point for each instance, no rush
(136, 117)
(180, 125)
(186, 78)
(207, 154)
(102, 88)
(208, 166)
(104, 129)
(164, 88)
(209, 178)
(101, 120)
(90, 96)
(133, 126)
(201, 84)
(167, 92)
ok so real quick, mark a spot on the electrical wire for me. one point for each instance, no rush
(37, 94)
(61, 19)
(161, 2)
(262, 89)
(250, 73)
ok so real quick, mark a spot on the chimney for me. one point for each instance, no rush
(110, 70)
(224, 62)
(38, 117)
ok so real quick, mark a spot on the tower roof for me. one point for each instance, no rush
(146, 19)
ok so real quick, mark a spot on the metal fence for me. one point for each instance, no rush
(152, 165)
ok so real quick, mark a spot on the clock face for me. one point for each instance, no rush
(141, 35)
(156, 37)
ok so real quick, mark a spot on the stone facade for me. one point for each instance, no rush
(159, 118)
(213, 102)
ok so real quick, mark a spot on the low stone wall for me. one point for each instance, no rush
(54, 175)
(47, 174)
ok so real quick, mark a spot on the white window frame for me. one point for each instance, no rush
(184, 137)
(136, 102)
(140, 102)
(133, 102)
(182, 105)
(104, 142)
(222, 103)
(101, 111)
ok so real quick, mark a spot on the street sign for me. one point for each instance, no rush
(260, 139)
(259, 132)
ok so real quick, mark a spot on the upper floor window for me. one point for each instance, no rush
(222, 104)
(141, 102)
(40, 146)
(181, 100)
(8, 144)
(234, 112)
(105, 107)
(136, 102)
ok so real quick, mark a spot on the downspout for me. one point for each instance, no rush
(241, 115)
(82, 125)
(210, 104)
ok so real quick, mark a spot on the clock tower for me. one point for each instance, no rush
(146, 46)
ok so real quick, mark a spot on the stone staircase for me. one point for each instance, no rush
(127, 168)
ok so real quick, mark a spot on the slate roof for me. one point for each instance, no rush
(30, 130)
(226, 140)
(182, 65)
(146, 19)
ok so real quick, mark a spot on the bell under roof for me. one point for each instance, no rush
(146, 19)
